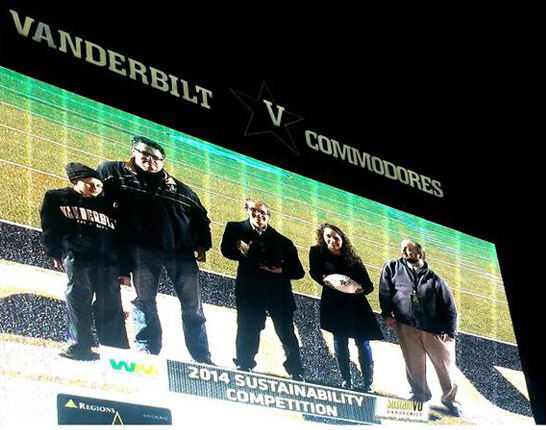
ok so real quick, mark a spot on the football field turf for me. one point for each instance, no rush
(43, 127)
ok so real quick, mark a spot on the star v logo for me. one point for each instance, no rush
(268, 117)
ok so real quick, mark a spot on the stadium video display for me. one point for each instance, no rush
(42, 128)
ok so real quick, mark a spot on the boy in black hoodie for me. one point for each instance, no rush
(79, 233)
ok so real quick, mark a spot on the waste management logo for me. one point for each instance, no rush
(132, 368)
(85, 410)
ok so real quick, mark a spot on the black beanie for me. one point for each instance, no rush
(78, 170)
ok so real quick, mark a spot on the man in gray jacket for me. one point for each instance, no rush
(419, 305)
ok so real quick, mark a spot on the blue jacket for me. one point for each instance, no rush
(437, 314)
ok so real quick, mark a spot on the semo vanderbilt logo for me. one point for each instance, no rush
(133, 368)
(406, 410)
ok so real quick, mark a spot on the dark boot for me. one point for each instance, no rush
(345, 370)
(367, 376)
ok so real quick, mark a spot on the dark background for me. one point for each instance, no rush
(451, 91)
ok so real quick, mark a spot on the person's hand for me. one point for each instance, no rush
(124, 280)
(271, 269)
(58, 264)
(358, 289)
(243, 247)
(391, 322)
(201, 254)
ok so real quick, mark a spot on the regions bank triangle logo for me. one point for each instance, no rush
(71, 404)
(117, 419)
(267, 117)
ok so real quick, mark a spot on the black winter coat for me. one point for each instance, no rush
(342, 314)
(255, 286)
(169, 218)
(83, 226)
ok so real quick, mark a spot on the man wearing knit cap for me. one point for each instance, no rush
(165, 225)
(419, 305)
(79, 233)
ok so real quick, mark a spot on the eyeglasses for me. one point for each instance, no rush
(255, 212)
(148, 155)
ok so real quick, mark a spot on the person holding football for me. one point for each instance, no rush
(344, 309)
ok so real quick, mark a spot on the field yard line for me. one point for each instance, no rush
(4, 221)
(250, 174)
(51, 141)
(31, 169)
(76, 113)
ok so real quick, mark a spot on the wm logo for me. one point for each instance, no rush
(134, 368)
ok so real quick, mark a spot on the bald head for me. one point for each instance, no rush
(412, 252)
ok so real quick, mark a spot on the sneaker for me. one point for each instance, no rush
(367, 389)
(241, 368)
(453, 410)
(206, 361)
(346, 384)
(79, 354)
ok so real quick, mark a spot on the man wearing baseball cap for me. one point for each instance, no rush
(79, 233)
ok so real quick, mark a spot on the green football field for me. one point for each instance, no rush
(43, 127)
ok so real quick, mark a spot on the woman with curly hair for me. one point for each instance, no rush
(344, 309)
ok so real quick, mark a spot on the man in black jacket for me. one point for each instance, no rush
(163, 224)
(79, 227)
(418, 303)
(267, 263)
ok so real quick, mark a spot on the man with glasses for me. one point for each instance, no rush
(163, 224)
(267, 263)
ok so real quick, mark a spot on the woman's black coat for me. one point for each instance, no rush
(342, 314)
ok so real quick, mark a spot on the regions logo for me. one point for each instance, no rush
(88, 407)
(139, 369)
(84, 410)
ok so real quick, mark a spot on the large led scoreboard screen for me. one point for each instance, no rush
(43, 128)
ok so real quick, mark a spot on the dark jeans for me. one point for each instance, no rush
(85, 280)
(251, 321)
(341, 348)
(184, 273)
